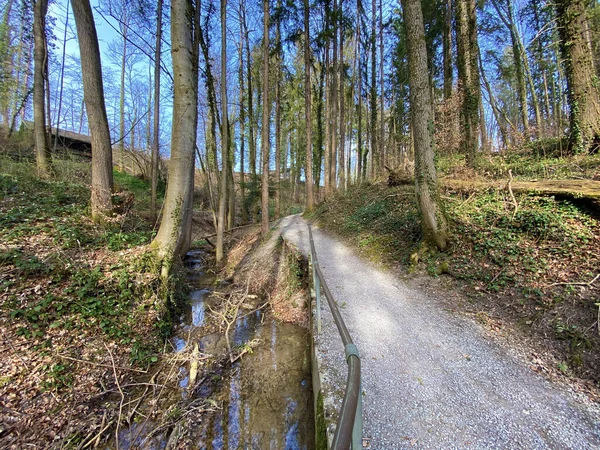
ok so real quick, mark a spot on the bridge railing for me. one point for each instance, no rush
(348, 431)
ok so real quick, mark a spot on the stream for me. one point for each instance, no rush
(264, 399)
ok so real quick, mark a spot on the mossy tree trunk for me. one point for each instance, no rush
(582, 81)
(175, 219)
(428, 199)
(93, 92)
(468, 76)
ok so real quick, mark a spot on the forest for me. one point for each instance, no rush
(453, 138)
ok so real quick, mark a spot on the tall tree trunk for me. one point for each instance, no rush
(508, 19)
(242, 101)
(583, 92)
(40, 61)
(318, 153)
(310, 199)
(373, 129)
(93, 91)
(279, 62)
(342, 95)
(447, 49)
(251, 138)
(428, 198)
(359, 134)
(62, 77)
(335, 125)
(468, 75)
(155, 158)
(175, 219)
(382, 147)
(266, 126)
(124, 25)
(327, 162)
(224, 134)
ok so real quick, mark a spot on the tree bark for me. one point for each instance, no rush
(242, 101)
(447, 49)
(373, 130)
(342, 95)
(310, 199)
(582, 83)
(173, 230)
(252, 156)
(266, 126)
(224, 135)
(155, 158)
(124, 26)
(40, 61)
(278, 115)
(432, 218)
(468, 75)
(93, 91)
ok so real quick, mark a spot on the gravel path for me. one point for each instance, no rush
(431, 379)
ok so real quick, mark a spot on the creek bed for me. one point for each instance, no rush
(264, 399)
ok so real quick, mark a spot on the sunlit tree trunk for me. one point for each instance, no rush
(310, 200)
(252, 153)
(428, 199)
(124, 26)
(93, 91)
(266, 126)
(40, 61)
(224, 135)
(373, 127)
(175, 219)
(382, 146)
(342, 95)
(62, 77)
(468, 75)
(582, 82)
(155, 158)
(279, 62)
(359, 134)
(242, 101)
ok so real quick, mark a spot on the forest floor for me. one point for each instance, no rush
(527, 271)
(85, 322)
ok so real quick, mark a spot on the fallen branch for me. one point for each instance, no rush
(581, 283)
(512, 195)
(122, 396)
(231, 229)
(99, 364)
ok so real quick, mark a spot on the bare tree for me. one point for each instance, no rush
(40, 61)
(91, 70)
(156, 125)
(175, 222)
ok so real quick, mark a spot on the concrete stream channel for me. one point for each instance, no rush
(263, 400)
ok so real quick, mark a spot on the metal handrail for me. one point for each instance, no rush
(348, 431)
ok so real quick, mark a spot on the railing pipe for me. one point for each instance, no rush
(348, 431)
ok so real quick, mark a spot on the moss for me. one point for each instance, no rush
(320, 425)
